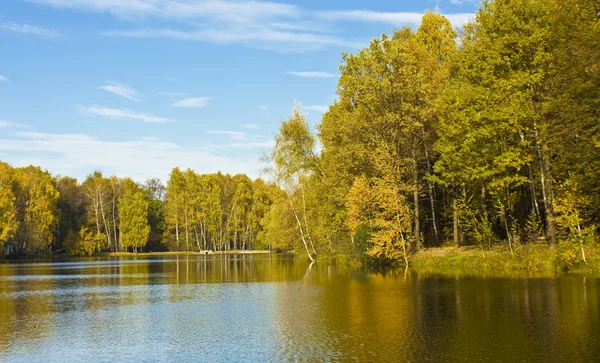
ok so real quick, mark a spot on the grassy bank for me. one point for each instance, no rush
(530, 260)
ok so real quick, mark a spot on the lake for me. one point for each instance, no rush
(226, 308)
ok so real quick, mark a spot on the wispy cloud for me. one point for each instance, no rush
(3, 79)
(192, 102)
(316, 108)
(241, 140)
(460, 2)
(7, 124)
(254, 23)
(258, 36)
(174, 94)
(393, 18)
(237, 11)
(311, 74)
(29, 29)
(235, 135)
(123, 114)
(140, 158)
(260, 24)
(121, 90)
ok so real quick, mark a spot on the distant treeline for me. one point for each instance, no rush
(41, 214)
(486, 135)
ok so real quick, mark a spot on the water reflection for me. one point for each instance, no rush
(277, 308)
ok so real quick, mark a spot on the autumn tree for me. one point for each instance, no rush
(36, 209)
(291, 161)
(133, 210)
(8, 221)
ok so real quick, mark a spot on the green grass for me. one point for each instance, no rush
(529, 260)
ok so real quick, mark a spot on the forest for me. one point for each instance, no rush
(486, 136)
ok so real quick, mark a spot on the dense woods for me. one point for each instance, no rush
(488, 135)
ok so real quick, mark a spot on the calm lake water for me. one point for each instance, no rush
(276, 308)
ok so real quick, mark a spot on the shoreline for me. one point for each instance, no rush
(537, 260)
(183, 253)
(530, 261)
(132, 254)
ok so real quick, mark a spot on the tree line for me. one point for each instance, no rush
(487, 135)
(40, 213)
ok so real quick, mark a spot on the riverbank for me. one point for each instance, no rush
(530, 260)
(54, 257)
(189, 253)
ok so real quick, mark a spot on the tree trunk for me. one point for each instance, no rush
(547, 188)
(177, 234)
(485, 214)
(300, 228)
(187, 231)
(508, 233)
(117, 244)
(455, 219)
(550, 193)
(417, 229)
(431, 192)
(106, 230)
(306, 221)
(203, 233)
(534, 202)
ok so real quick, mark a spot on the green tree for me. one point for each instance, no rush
(8, 222)
(97, 192)
(36, 207)
(292, 159)
(71, 209)
(133, 209)
(155, 194)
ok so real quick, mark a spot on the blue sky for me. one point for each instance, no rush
(137, 87)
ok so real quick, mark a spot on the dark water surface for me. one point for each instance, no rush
(275, 308)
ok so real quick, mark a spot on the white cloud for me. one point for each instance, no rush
(148, 138)
(192, 102)
(29, 29)
(460, 20)
(78, 155)
(254, 23)
(235, 135)
(241, 140)
(393, 18)
(3, 79)
(261, 24)
(460, 2)
(372, 16)
(7, 124)
(123, 114)
(316, 108)
(175, 94)
(121, 90)
(254, 35)
(236, 11)
(312, 74)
